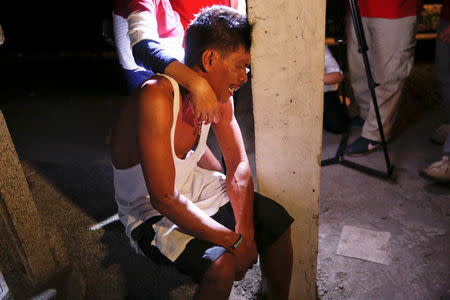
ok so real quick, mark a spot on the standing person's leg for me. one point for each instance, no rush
(391, 60)
(442, 65)
(357, 72)
(440, 170)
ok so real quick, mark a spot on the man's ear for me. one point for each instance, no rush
(208, 58)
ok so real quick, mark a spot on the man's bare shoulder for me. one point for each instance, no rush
(155, 104)
(150, 105)
(157, 87)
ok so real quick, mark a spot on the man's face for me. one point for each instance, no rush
(229, 72)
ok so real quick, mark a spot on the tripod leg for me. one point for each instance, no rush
(360, 35)
(362, 48)
(392, 58)
(356, 71)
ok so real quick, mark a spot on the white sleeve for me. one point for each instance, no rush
(240, 5)
(330, 63)
(142, 25)
(122, 42)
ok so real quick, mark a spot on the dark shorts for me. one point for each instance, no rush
(335, 117)
(270, 221)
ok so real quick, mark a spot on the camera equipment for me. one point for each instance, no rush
(362, 48)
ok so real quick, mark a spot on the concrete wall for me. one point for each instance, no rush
(20, 225)
(287, 84)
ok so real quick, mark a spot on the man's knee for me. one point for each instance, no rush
(221, 271)
(282, 243)
(286, 235)
(271, 220)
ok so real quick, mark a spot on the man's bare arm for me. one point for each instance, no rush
(239, 183)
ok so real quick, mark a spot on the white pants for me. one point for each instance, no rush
(391, 45)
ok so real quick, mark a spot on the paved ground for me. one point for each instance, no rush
(59, 121)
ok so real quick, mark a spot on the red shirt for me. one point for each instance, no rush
(188, 8)
(167, 20)
(389, 9)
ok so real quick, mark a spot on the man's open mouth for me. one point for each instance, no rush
(233, 89)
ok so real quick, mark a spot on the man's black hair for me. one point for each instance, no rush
(217, 27)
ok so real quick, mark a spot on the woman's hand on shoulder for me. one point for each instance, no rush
(205, 101)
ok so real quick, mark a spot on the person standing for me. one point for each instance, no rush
(440, 171)
(390, 28)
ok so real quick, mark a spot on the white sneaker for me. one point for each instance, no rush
(440, 134)
(438, 171)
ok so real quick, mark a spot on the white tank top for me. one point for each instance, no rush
(131, 192)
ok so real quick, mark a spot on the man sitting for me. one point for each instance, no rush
(211, 226)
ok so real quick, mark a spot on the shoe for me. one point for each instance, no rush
(362, 146)
(438, 171)
(357, 121)
(440, 134)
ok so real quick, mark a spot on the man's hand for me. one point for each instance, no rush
(444, 35)
(248, 234)
(247, 231)
(246, 256)
(205, 102)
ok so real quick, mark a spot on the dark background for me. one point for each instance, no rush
(53, 26)
(54, 45)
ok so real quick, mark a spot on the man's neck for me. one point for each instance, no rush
(183, 91)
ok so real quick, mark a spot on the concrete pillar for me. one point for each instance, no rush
(20, 225)
(287, 85)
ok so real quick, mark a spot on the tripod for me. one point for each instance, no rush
(339, 157)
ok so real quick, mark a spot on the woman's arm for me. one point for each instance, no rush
(151, 54)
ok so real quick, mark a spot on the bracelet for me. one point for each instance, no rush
(236, 244)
